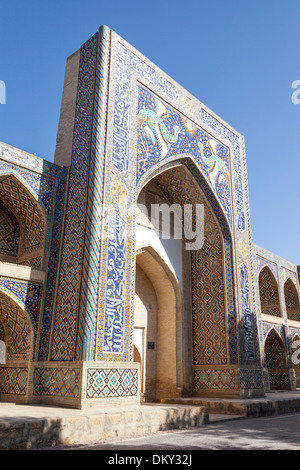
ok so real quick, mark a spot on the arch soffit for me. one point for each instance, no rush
(32, 199)
(274, 330)
(267, 269)
(28, 190)
(147, 258)
(19, 305)
(216, 209)
(265, 265)
(291, 282)
(187, 161)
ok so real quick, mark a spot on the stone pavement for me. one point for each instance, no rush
(35, 426)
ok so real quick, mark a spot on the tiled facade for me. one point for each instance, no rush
(69, 235)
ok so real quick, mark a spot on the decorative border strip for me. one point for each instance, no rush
(56, 382)
(107, 383)
(126, 62)
(247, 317)
(115, 288)
(251, 379)
(13, 380)
(26, 294)
(217, 379)
(68, 295)
(92, 248)
(261, 263)
(233, 139)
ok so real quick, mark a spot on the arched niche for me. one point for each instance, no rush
(157, 313)
(291, 300)
(18, 328)
(23, 224)
(269, 293)
(276, 361)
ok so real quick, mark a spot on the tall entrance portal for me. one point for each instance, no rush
(194, 330)
(125, 303)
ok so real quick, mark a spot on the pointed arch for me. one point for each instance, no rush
(27, 214)
(187, 161)
(269, 292)
(18, 330)
(208, 277)
(291, 300)
(276, 361)
(163, 360)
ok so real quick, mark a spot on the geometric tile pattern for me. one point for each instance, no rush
(56, 382)
(266, 327)
(217, 379)
(157, 122)
(208, 289)
(40, 186)
(291, 301)
(209, 327)
(18, 327)
(27, 211)
(250, 379)
(27, 294)
(2, 333)
(9, 232)
(91, 259)
(275, 351)
(36, 180)
(55, 241)
(13, 380)
(276, 361)
(64, 334)
(279, 380)
(261, 262)
(105, 383)
(228, 258)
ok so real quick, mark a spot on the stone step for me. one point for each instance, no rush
(270, 405)
(53, 427)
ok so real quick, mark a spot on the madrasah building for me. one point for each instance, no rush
(97, 303)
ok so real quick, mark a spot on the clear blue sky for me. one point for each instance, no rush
(239, 57)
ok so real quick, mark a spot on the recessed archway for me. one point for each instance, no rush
(204, 277)
(157, 308)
